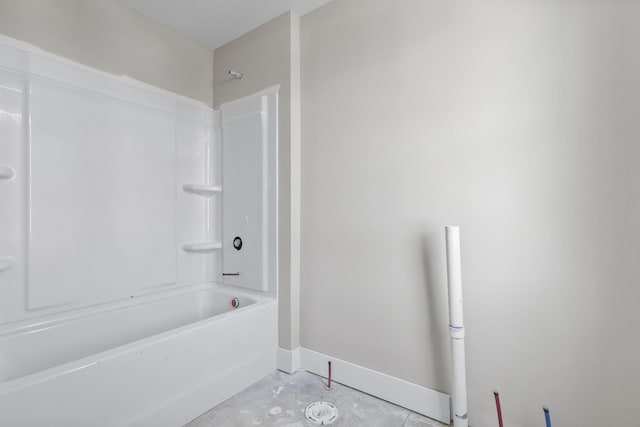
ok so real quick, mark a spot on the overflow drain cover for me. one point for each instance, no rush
(322, 413)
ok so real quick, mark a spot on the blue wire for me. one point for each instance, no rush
(547, 417)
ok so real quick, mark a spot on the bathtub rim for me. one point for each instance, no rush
(50, 319)
(261, 299)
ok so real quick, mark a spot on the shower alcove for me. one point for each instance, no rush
(119, 206)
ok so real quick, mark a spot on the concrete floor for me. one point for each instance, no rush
(280, 400)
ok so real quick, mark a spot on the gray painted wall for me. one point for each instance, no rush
(106, 35)
(264, 56)
(518, 122)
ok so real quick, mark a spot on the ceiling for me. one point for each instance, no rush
(216, 22)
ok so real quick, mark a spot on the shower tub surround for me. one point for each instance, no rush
(113, 309)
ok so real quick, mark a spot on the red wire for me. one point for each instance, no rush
(499, 409)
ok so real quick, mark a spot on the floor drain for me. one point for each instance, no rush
(322, 413)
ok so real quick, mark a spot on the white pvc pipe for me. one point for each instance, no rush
(456, 327)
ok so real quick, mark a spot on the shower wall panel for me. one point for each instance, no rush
(249, 138)
(12, 186)
(102, 196)
(92, 168)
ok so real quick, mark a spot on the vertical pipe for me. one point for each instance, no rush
(456, 327)
(329, 378)
(498, 407)
(547, 417)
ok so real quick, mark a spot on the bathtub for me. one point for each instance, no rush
(157, 360)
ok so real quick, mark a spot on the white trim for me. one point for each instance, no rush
(428, 402)
(288, 360)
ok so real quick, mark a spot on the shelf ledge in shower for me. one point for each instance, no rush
(202, 190)
(202, 247)
(5, 263)
(7, 173)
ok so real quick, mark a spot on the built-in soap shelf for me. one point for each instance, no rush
(202, 190)
(202, 247)
(6, 173)
(5, 263)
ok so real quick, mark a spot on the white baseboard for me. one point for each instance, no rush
(288, 360)
(423, 400)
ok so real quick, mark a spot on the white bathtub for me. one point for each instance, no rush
(158, 360)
